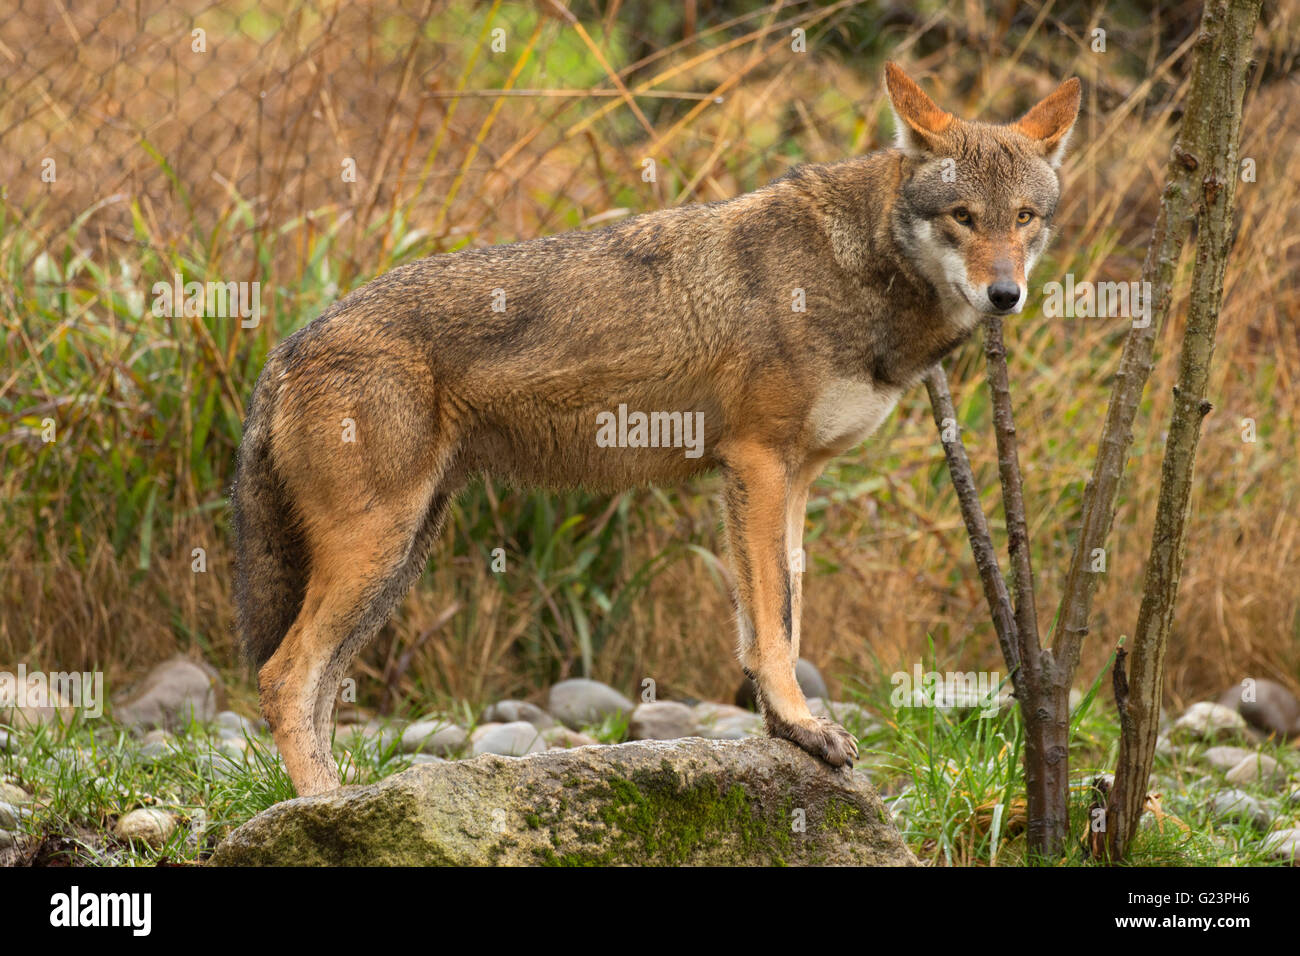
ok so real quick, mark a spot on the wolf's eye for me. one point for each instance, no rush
(962, 215)
(1024, 217)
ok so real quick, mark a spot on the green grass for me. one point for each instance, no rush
(953, 778)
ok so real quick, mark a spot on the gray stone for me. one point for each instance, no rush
(1274, 709)
(580, 702)
(1208, 721)
(662, 720)
(1257, 768)
(1284, 845)
(149, 825)
(682, 802)
(8, 840)
(10, 793)
(810, 679)
(515, 739)
(172, 694)
(231, 724)
(511, 711)
(565, 738)
(433, 737)
(426, 758)
(9, 816)
(1224, 758)
(6, 742)
(1237, 806)
(734, 728)
(708, 712)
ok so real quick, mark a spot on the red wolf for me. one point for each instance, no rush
(781, 326)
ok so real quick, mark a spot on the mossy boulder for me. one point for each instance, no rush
(756, 802)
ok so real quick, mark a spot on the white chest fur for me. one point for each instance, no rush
(847, 411)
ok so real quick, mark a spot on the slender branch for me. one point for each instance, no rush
(1013, 499)
(1168, 236)
(1214, 111)
(977, 528)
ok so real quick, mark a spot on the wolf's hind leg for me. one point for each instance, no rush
(759, 500)
(361, 566)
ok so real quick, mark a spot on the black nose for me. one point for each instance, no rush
(1004, 294)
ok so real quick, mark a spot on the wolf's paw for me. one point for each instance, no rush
(821, 737)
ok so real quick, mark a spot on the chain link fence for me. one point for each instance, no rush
(402, 121)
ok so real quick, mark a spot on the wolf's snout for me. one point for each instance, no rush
(1004, 294)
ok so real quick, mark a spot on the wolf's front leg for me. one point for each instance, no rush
(759, 500)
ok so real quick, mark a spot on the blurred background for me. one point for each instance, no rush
(140, 139)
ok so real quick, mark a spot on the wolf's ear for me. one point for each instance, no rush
(1051, 121)
(920, 123)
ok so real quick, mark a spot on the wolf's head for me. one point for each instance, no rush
(977, 199)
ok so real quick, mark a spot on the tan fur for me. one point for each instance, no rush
(682, 311)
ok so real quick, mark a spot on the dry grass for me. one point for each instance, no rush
(99, 528)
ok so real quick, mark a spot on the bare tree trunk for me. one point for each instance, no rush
(1209, 140)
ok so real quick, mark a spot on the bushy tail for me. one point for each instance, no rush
(270, 558)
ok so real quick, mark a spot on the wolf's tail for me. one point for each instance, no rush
(270, 556)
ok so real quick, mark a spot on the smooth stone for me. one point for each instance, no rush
(13, 794)
(513, 711)
(1257, 768)
(231, 724)
(439, 738)
(419, 758)
(172, 694)
(563, 738)
(579, 702)
(149, 825)
(1274, 710)
(734, 728)
(515, 739)
(44, 705)
(708, 712)
(1223, 758)
(662, 720)
(9, 816)
(1235, 806)
(1284, 845)
(1208, 720)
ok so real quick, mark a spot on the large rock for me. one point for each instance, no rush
(580, 702)
(1273, 709)
(173, 692)
(649, 803)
